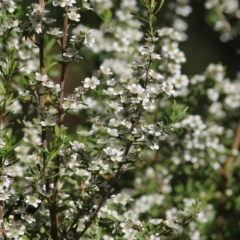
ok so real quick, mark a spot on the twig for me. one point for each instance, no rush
(226, 174)
(61, 113)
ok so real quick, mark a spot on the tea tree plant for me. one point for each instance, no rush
(130, 169)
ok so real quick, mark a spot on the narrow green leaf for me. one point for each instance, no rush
(57, 130)
(160, 6)
(152, 4)
(154, 19)
(71, 181)
(52, 176)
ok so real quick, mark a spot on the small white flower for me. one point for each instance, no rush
(212, 94)
(2, 143)
(73, 15)
(167, 87)
(76, 146)
(70, 52)
(155, 56)
(4, 196)
(135, 88)
(55, 32)
(156, 221)
(117, 90)
(41, 78)
(111, 82)
(154, 146)
(106, 70)
(91, 82)
(148, 104)
(233, 100)
(32, 200)
(63, 3)
(179, 81)
(155, 74)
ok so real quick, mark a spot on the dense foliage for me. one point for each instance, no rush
(103, 135)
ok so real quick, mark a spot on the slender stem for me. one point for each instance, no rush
(2, 223)
(226, 174)
(150, 15)
(1, 121)
(116, 177)
(3, 110)
(129, 143)
(61, 113)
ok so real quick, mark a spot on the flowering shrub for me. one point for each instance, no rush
(155, 151)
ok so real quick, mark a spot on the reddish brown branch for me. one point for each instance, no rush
(226, 174)
(61, 113)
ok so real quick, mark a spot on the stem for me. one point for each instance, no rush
(5, 101)
(2, 224)
(129, 144)
(150, 15)
(42, 103)
(226, 174)
(61, 113)
(116, 177)
(1, 121)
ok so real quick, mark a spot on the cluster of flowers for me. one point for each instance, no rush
(126, 103)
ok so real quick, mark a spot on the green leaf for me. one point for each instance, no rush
(28, 174)
(52, 176)
(106, 16)
(130, 168)
(31, 170)
(71, 181)
(135, 14)
(160, 6)
(152, 6)
(154, 19)
(53, 154)
(57, 130)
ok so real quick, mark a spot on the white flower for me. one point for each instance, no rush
(2, 143)
(114, 154)
(105, 70)
(233, 100)
(55, 32)
(156, 221)
(7, 5)
(111, 82)
(147, 49)
(28, 218)
(91, 82)
(143, 95)
(135, 88)
(41, 78)
(148, 104)
(178, 57)
(179, 81)
(32, 200)
(76, 146)
(170, 48)
(212, 94)
(73, 15)
(167, 87)
(70, 52)
(110, 151)
(63, 3)
(117, 90)
(49, 121)
(155, 56)
(154, 237)
(155, 75)
(4, 196)
(154, 146)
